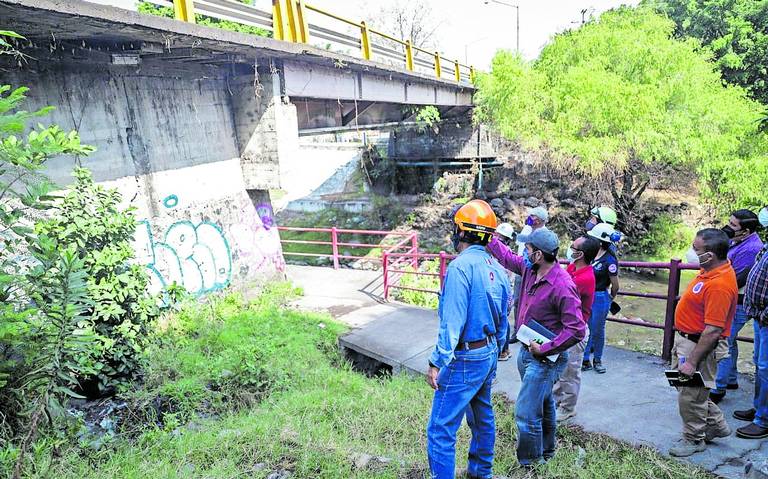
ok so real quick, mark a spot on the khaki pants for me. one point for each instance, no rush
(566, 390)
(696, 409)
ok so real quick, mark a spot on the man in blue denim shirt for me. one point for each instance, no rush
(473, 325)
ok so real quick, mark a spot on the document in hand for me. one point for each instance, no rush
(533, 331)
(678, 380)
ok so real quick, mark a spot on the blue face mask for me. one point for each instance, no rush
(762, 217)
(527, 260)
(590, 224)
(529, 221)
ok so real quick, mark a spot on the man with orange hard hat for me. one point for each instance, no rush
(473, 325)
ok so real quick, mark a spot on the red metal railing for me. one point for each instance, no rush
(674, 266)
(410, 243)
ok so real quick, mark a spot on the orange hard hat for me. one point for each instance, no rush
(476, 216)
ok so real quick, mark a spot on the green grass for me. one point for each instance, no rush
(309, 412)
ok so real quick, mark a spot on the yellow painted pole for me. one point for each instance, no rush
(184, 10)
(409, 55)
(278, 24)
(472, 74)
(301, 23)
(438, 71)
(457, 71)
(365, 41)
(292, 33)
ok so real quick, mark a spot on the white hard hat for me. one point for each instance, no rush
(605, 232)
(506, 230)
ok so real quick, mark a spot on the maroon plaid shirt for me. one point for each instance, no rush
(756, 290)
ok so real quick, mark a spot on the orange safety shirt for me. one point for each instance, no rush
(710, 299)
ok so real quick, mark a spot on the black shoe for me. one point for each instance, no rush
(716, 396)
(599, 368)
(732, 386)
(752, 431)
(745, 415)
(586, 365)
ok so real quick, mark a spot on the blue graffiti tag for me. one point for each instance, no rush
(171, 201)
(197, 257)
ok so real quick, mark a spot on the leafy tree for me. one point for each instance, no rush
(735, 31)
(622, 102)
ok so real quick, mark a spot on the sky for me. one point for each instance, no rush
(477, 30)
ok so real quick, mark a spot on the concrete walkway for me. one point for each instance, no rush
(631, 402)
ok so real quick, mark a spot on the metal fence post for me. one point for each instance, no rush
(409, 55)
(673, 289)
(335, 247)
(415, 250)
(184, 10)
(278, 22)
(302, 28)
(442, 270)
(385, 265)
(457, 71)
(365, 41)
(438, 70)
(472, 74)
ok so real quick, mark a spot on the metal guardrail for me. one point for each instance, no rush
(410, 243)
(289, 21)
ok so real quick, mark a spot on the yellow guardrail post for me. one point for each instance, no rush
(365, 41)
(409, 55)
(457, 71)
(472, 76)
(184, 10)
(438, 71)
(278, 23)
(302, 30)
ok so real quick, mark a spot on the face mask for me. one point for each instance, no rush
(529, 221)
(589, 224)
(570, 257)
(527, 259)
(455, 240)
(762, 217)
(692, 257)
(729, 231)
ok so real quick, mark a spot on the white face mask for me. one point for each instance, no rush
(692, 257)
(762, 217)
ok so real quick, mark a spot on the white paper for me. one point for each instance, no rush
(525, 335)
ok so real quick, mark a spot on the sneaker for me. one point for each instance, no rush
(752, 431)
(599, 368)
(745, 415)
(716, 396)
(732, 386)
(586, 365)
(713, 433)
(504, 356)
(685, 448)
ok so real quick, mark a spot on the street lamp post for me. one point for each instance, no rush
(517, 19)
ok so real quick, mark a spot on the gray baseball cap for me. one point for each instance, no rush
(544, 239)
(539, 212)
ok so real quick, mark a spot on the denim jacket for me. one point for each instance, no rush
(473, 304)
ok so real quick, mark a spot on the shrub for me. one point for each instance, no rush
(419, 298)
(90, 221)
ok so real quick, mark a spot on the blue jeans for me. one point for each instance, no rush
(601, 305)
(464, 383)
(727, 370)
(535, 407)
(761, 374)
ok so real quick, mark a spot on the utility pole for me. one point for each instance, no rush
(517, 20)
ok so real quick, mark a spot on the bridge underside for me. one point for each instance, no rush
(90, 35)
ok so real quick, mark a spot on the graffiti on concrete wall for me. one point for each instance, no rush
(196, 256)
